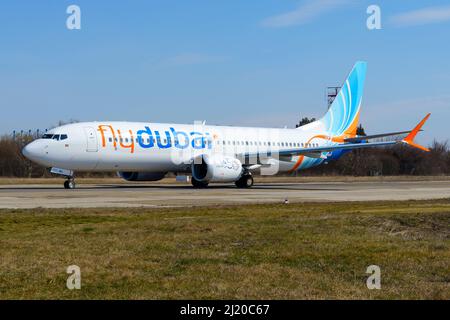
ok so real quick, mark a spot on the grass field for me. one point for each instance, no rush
(291, 251)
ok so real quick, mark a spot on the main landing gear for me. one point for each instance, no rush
(69, 183)
(246, 181)
(198, 184)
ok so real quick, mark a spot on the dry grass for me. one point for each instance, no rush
(295, 251)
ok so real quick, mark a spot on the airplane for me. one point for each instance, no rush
(142, 151)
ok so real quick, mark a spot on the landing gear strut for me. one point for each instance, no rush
(68, 174)
(246, 181)
(69, 183)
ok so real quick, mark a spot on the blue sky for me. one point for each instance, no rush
(256, 63)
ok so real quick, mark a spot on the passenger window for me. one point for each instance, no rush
(110, 139)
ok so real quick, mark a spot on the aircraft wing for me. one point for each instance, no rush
(317, 151)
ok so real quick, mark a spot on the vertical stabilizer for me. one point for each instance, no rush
(342, 117)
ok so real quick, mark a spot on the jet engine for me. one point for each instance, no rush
(216, 168)
(141, 176)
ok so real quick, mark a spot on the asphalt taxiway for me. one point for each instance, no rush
(180, 195)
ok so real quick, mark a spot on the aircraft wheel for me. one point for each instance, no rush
(198, 184)
(246, 181)
(69, 184)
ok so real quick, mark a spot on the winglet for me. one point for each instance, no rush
(410, 137)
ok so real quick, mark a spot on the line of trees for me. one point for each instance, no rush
(13, 163)
(396, 160)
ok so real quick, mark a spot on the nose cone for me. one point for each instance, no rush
(32, 151)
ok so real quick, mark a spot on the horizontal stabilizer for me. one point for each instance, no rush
(412, 135)
(376, 136)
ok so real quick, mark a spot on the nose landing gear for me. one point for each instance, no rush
(68, 174)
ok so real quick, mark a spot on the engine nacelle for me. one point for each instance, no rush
(216, 168)
(141, 176)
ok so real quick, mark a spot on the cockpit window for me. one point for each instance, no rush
(57, 137)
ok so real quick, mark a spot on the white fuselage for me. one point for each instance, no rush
(162, 147)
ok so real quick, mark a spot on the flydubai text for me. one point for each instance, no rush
(148, 138)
